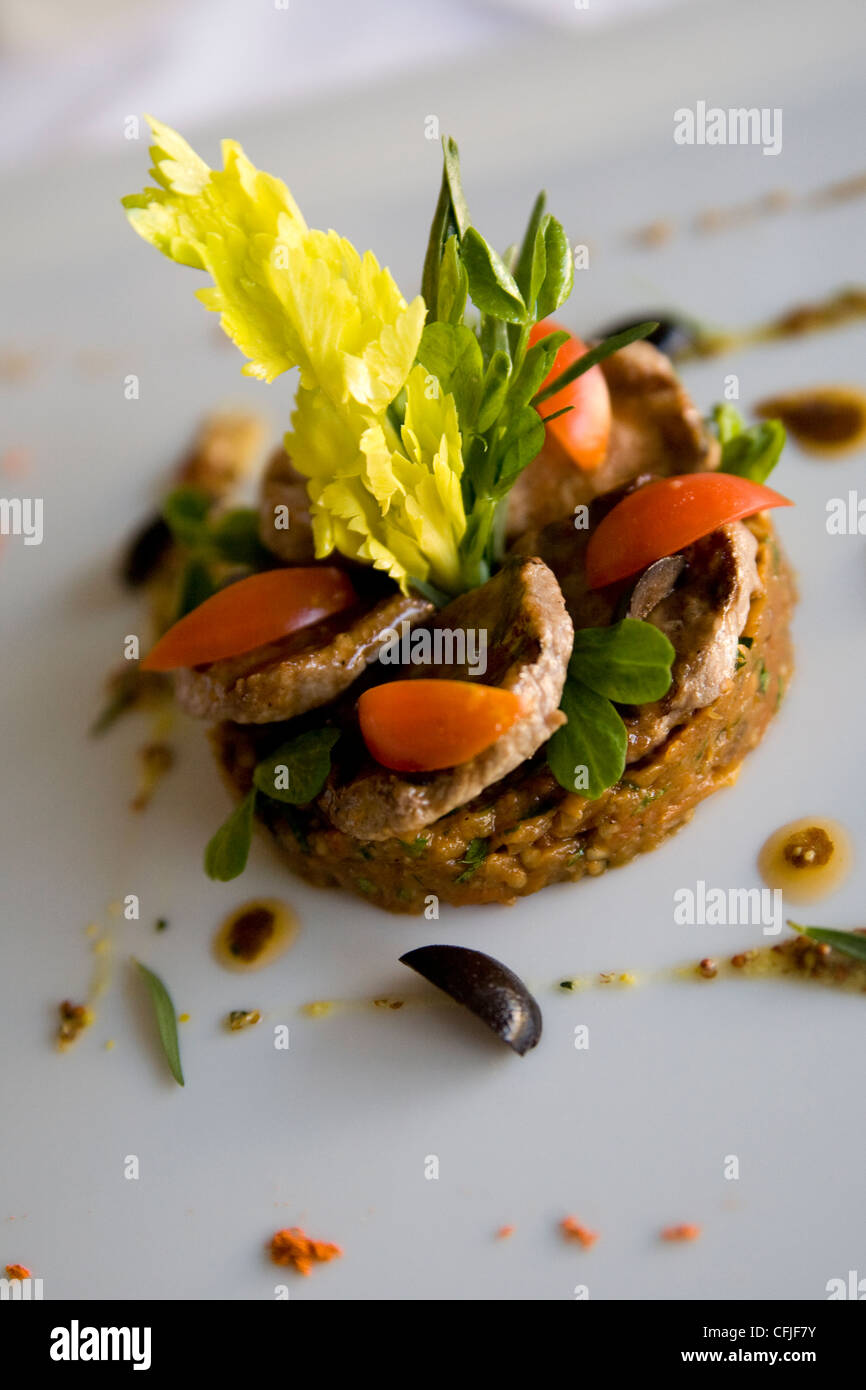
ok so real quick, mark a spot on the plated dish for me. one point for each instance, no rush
(507, 608)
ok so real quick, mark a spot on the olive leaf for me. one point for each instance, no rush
(166, 1019)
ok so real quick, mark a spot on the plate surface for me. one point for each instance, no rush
(630, 1135)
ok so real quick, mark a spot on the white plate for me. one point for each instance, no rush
(631, 1135)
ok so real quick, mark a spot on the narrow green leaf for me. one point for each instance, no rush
(439, 232)
(491, 285)
(228, 850)
(629, 662)
(298, 770)
(494, 389)
(537, 365)
(849, 942)
(453, 284)
(196, 586)
(558, 270)
(528, 256)
(455, 184)
(166, 1019)
(595, 355)
(591, 747)
(523, 440)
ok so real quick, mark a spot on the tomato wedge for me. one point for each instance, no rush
(251, 613)
(425, 725)
(665, 516)
(582, 435)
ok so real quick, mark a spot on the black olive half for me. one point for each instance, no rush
(672, 336)
(485, 986)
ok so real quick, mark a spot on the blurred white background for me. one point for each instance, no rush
(72, 70)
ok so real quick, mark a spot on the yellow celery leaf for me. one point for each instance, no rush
(401, 511)
(288, 296)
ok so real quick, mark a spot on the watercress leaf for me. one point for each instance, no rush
(849, 942)
(196, 586)
(523, 439)
(491, 285)
(528, 255)
(595, 355)
(454, 181)
(749, 453)
(298, 769)
(228, 850)
(494, 389)
(451, 353)
(629, 662)
(558, 270)
(453, 284)
(166, 1019)
(587, 755)
(234, 537)
(185, 510)
(537, 365)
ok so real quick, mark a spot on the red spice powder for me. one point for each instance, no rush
(293, 1246)
(674, 1233)
(572, 1230)
(504, 1232)
(17, 1272)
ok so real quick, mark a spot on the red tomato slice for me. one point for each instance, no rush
(581, 435)
(250, 614)
(665, 516)
(425, 725)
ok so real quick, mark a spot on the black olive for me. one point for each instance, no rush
(147, 548)
(493, 992)
(672, 336)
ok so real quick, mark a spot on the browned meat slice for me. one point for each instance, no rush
(703, 617)
(306, 670)
(701, 605)
(655, 429)
(284, 511)
(529, 637)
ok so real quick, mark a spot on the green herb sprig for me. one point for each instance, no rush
(166, 1019)
(496, 378)
(849, 942)
(230, 538)
(749, 453)
(628, 663)
(294, 775)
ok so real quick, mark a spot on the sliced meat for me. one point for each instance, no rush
(655, 428)
(701, 602)
(529, 637)
(308, 669)
(283, 498)
(703, 618)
